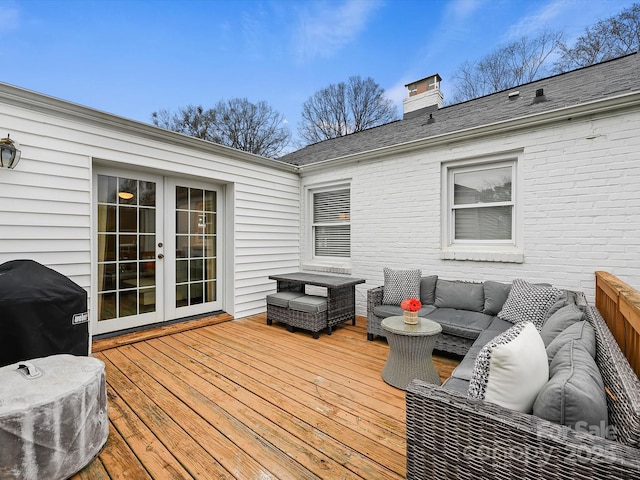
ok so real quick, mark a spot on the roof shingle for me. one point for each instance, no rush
(596, 82)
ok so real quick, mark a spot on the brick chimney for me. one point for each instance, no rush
(423, 95)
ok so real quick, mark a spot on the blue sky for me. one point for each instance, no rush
(133, 57)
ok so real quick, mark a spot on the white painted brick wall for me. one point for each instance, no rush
(581, 207)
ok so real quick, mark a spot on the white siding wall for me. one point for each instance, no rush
(45, 204)
(581, 207)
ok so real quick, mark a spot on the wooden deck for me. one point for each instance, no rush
(241, 399)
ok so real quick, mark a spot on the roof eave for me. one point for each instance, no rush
(560, 114)
(48, 105)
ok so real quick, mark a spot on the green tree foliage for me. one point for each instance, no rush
(344, 108)
(237, 123)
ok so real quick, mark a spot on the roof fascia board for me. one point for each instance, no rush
(47, 105)
(560, 114)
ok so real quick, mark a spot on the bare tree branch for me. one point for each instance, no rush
(236, 123)
(518, 62)
(344, 108)
(610, 38)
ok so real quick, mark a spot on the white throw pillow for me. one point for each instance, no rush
(511, 369)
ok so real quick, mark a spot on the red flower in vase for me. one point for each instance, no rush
(411, 304)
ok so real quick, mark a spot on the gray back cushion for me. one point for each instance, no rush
(562, 301)
(495, 294)
(582, 332)
(560, 321)
(428, 289)
(574, 395)
(459, 295)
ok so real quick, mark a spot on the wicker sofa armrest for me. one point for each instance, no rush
(452, 437)
(374, 298)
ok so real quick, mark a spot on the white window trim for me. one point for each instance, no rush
(511, 251)
(340, 265)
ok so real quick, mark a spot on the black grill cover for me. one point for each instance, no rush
(42, 313)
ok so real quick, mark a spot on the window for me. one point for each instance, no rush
(331, 222)
(481, 211)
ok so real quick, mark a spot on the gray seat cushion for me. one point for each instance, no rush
(384, 311)
(456, 385)
(574, 395)
(465, 368)
(499, 325)
(281, 299)
(461, 323)
(309, 304)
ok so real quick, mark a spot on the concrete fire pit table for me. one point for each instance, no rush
(410, 349)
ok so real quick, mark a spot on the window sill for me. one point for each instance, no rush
(508, 255)
(343, 268)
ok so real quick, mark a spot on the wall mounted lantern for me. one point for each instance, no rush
(9, 154)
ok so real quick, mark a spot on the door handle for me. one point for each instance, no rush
(161, 255)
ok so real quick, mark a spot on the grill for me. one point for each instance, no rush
(42, 313)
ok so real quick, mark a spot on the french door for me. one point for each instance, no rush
(157, 243)
(194, 243)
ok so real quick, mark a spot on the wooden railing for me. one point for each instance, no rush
(619, 305)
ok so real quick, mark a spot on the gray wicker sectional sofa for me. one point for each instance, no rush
(585, 422)
(450, 436)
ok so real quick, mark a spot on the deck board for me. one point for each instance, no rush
(241, 399)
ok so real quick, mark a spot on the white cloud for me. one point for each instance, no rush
(9, 15)
(397, 93)
(546, 16)
(325, 28)
(462, 9)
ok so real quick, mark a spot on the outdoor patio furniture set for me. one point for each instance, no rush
(549, 397)
(293, 307)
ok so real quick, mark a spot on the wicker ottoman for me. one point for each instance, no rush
(309, 312)
(278, 306)
(297, 310)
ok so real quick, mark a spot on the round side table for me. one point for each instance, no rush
(410, 349)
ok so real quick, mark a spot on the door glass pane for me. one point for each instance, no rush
(182, 198)
(128, 219)
(107, 218)
(182, 222)
(148, 194)
(182, 246)
(195, 246)
(127, 191)
(147, 220)
(126, 247)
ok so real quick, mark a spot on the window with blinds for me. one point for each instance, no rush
(332, 223)
(482, 203)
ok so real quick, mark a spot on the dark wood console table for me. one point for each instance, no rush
(341, 292)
